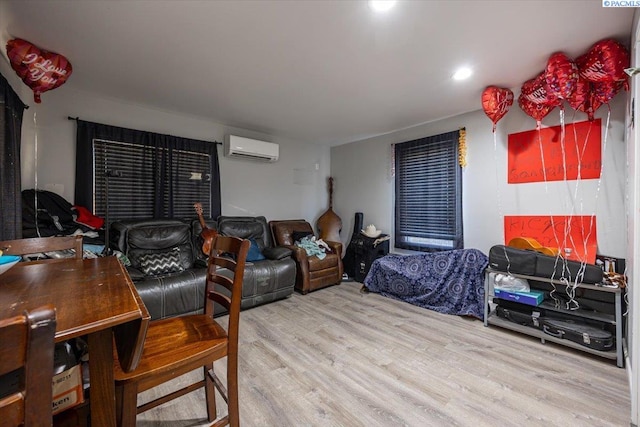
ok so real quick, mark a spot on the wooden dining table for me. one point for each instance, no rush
(94, 298)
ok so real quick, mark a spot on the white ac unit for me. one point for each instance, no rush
(251, 149)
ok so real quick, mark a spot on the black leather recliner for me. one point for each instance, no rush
(166, 294)
(267, 280)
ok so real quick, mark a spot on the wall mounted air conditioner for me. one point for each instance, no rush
(239, 147)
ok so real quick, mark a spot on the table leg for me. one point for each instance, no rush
(103, 393)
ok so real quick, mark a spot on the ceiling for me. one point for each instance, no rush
(328, 72)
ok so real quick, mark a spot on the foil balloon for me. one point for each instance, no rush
(496, 102)
(561, 76)
(604, 91)
(536, 91)
(38, 69)
(583, 99)
(605, 61)
(536, 111)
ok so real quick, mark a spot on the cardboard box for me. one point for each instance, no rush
(67, 389)
(532, 297)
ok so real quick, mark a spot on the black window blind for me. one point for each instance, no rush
(428, 206)
(135, 173)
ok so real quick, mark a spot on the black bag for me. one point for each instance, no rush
(54, 214)
(579, 332)
(522, 316)
(512, 260)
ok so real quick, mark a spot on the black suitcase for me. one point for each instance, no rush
(579, 332)
(524, 316)
(512, 260)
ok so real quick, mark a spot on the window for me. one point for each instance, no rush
(142, 175)
(428, 214)
(132, 175)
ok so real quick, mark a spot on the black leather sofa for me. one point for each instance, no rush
(155, 247)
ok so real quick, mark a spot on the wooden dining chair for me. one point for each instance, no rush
(38, 245)
(178, 345)
(28, 345)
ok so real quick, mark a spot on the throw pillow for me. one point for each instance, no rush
(254, 254)
(153, 264)
(299, 235)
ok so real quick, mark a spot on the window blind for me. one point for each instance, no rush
(135, 173)
(428, 205)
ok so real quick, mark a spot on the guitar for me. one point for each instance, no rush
(529, 243)
(207, 234)
(329, 224)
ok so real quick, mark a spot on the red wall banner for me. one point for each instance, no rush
(582, 150)
(578, 233)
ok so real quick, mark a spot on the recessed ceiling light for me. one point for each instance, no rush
(462, 73)
(381, 5)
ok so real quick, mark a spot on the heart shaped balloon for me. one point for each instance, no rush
(38, 69)
(536, 91)
(561, 75)
(583, 98)
(537, 111)
(605, 61)
(496, 102)
(604, 91)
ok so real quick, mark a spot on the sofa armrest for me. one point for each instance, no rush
(336, 247)
(276, 253)
(299, 254)
(200, 263)
(135, 274)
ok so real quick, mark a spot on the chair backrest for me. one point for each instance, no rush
(228, 253)
(246, 227)
(37, 245)
(283, 230)
(28, 344)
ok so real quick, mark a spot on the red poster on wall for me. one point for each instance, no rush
(577, 233)
(556, 161)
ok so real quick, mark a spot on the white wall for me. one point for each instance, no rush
(633, 224)
(289, 188)
(364, 184)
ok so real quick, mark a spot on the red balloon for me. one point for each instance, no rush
(583, 99)
(537, 111)
(561, 76)
(605, 61)
(604, 91)
(38, 69)
(535, 90)
(496, 102)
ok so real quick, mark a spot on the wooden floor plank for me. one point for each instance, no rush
(337, 357)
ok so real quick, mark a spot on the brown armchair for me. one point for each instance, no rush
(312, 272)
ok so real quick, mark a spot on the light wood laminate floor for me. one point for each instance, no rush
(337, 357)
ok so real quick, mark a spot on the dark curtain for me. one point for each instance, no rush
(88, 131)
(10, 185)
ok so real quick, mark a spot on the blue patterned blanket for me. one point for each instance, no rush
(449, 282)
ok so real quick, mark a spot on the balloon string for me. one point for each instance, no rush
(553, 227)
(35, 165)
(500, 212)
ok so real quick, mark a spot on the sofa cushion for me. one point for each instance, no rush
(156, 263)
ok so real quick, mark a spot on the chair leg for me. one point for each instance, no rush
(232, 390)
(210, 393)
(127, 405)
